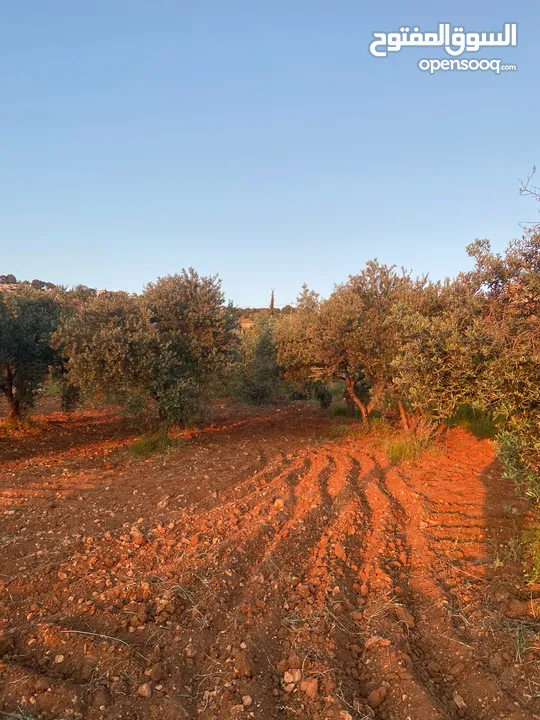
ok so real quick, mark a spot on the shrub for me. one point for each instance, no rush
(259, 373)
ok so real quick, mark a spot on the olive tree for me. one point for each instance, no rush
(166, 344)
(28, 319)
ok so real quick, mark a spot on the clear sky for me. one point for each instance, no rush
(257, 139)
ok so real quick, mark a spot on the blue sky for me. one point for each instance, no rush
(255, 139)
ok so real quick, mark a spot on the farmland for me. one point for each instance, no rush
(270, 563)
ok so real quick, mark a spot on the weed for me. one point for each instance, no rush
(159, 442)
(405, 448)
(340, 430)
(532, 537)
(379, 426)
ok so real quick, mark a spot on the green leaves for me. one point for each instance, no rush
(28, 319)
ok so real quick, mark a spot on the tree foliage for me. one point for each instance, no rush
(164, 345)
(259, 372)
(429, 348)
(28, 319)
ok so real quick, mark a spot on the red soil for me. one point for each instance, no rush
(260, 571)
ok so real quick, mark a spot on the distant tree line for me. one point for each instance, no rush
(36, 284)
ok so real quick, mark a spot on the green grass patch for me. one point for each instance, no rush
(475, 421)
(157, 443)
(406, 448)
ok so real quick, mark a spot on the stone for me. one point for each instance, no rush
(310, 686)
(101, 698)
(190, 651)
(157, 672)
(145, 690)
(376, 641)
(377, 697)
(403, 615)
(292, 676)
(243, 666)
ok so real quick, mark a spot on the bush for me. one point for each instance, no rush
(510, 449)
(70, 397)
(259, 374)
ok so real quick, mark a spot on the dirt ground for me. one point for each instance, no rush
(262, 570)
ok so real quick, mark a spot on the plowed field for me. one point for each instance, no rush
(262, 570)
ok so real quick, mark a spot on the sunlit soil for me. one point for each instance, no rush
(259, 569)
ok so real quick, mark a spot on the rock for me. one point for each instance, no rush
(457, 669)
(517, 610)
(459, 701)
(155, 655)
(339, 551)
(142, 614)
(295, 663)
(283, 666)
(243, 666)
(403, 615)
(310, 686)
(87, 670)
(292, 676)
(6, 646)
(59, 659)
(289, 688)
(376, 641)
(377, 697)
(247, 700)
(137, 536)
(101, 698)
(145, 690)
(41, 685)
(190, 651)
(157, 672)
